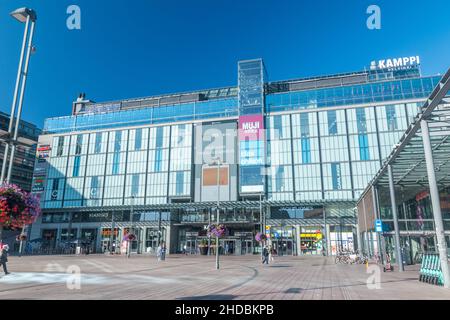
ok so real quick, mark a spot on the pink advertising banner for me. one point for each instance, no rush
(251, 127)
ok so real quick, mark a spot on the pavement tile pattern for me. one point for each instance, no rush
(192, 277)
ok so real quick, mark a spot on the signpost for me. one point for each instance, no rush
(378, 225)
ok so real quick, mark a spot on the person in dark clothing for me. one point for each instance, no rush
(4, 260)
(265, 256)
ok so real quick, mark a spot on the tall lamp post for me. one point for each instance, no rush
(27, 16)
(217, 162)
(131, 226)
(23, 15)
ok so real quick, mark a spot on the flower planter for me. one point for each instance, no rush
(204, 251)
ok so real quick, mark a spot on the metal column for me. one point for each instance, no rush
(435, 201)
(366, 232)
(325, 235)
(399, 259)
(13, 107)
(378, 216)
(19, 108)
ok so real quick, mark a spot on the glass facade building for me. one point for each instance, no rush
(303, 150)
(24, 157)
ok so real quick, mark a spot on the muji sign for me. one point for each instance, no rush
(251, 127)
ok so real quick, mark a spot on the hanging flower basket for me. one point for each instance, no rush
(17, 207)
(216, 230)
(129, 237)
(260, 237)
(21, 237)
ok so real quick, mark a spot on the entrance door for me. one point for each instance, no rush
(229, 247)
(246, 247)
(136, 244)
(284, 248)
(191, 246)
(49, 239)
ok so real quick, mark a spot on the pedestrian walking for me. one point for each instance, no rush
(4, 259)
(271, 253)
(161, 252)
(265, 256)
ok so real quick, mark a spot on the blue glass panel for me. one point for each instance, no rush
(179, 183)
(336, 176)
(76, 166)
(138, 140)
(134, 185)
(332, 122)
(306, 150)
(363, 147)
(115, 166)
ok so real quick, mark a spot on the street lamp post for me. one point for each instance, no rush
(23, 15)
(218, 211)
(131, 226)
(261, 222)
(209, 236)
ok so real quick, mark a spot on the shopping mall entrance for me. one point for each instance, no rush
(285, 247)
(234, 243)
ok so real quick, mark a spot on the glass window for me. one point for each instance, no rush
(55, 187)
(332, 122)
(306, 150)
(279, 181)
(76, 166)
(304, 125)
(180, 182)
(158, 160)
(116, 160)
(95, 192)
(361, 120)
(79, 144)
(118, 141)
(59, 150)
(98, 142)
(336, 175)
(278, 126)
(363, 147)
(135, 185)
(138, 140)
(391, 118)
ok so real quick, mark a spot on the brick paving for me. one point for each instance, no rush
(195, 277)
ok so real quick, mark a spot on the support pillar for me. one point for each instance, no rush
(435, 201)
(329, 251)
(376, 205)
(359, 239)
(399, 259)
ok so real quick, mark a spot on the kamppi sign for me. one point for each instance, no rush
(395, 63)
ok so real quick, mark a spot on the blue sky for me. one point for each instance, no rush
(137, 48)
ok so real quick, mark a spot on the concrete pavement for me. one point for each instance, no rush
(195, 277)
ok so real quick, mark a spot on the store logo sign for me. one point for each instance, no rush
(396, 63)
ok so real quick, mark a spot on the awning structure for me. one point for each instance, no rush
(209, 205)
(407, 159)
(420, 162)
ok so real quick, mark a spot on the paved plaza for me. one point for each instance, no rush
(195, 277)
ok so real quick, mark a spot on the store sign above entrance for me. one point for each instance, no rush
(396, 63)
